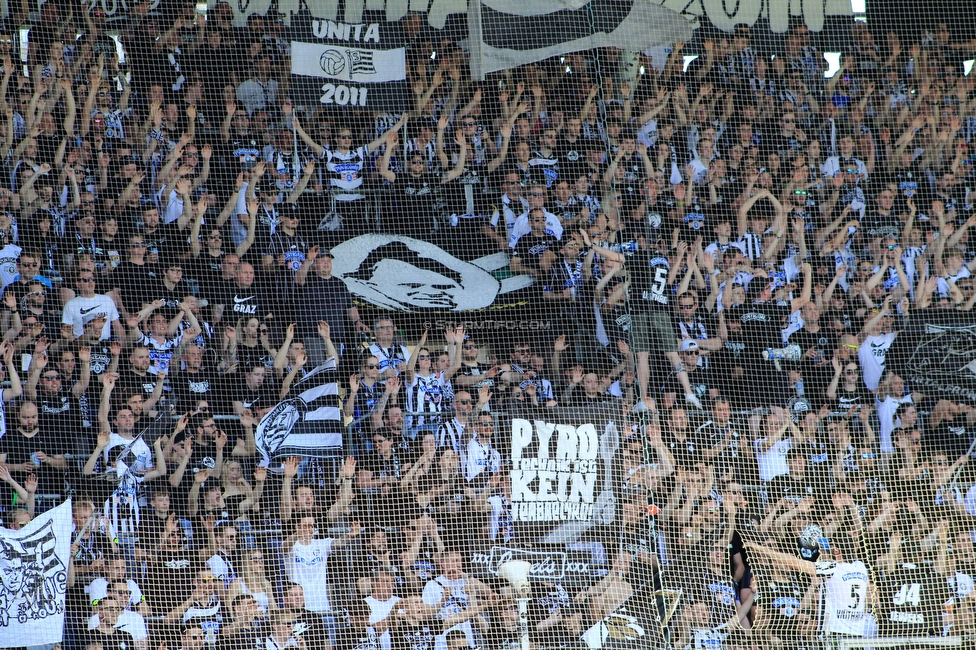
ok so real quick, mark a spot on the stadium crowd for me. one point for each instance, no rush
(722, 254)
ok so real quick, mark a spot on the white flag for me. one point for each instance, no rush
(508, 33)
(34, 578)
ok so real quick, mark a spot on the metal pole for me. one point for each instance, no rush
(523, 624)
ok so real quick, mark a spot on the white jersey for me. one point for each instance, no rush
(843, 596)
(9, 255)
(307, 566)
(346, 172)
(395, 356)
(872, 355)
(426, 395)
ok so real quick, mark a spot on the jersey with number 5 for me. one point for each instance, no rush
(649, 281)
(843, 597)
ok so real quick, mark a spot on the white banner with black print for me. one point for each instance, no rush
(349, 65)
(34, 579)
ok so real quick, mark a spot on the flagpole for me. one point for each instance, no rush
(475, 41)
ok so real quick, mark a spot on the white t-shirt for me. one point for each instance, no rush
(456, 601)
(307, 566)
(80, 310)
(886, 417)
(843, 596)
(772, 462)
(943, 283)
(872, 355)
(173, 202)
(380, 610)
(222, 569)
(9, 255)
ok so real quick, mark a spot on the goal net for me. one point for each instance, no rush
(436, 325)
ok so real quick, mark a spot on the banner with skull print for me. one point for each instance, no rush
(34, 576)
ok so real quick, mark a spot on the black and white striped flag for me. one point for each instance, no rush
(309, 424)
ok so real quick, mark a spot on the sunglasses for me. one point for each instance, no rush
(371, 366)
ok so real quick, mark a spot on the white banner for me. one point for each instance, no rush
(348, 63)
(557, 482)
(34, 579)
(508, 33)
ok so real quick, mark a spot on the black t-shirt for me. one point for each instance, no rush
(327, 300)
(348, 638)
(20, 449)
(59, 412)
(145, 384)
(876, 224)
(649, 281)
(571, 152)
(782, 144)
(159, 291)
(383, 467)
(190, 387)
(134, 281)
(108, 253)
(246, 302)
(118, 640)
(530, 248)
(783, 599)
(165, 241)
(264, 397)
(416, 205)
(762, 323)
(207, 271)
(169, 581)
(404, 636)
(847, 398)
(685, 452)
(796, 489)
(824, 342)
(952, 438)
(701, 380)
(309, 628)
